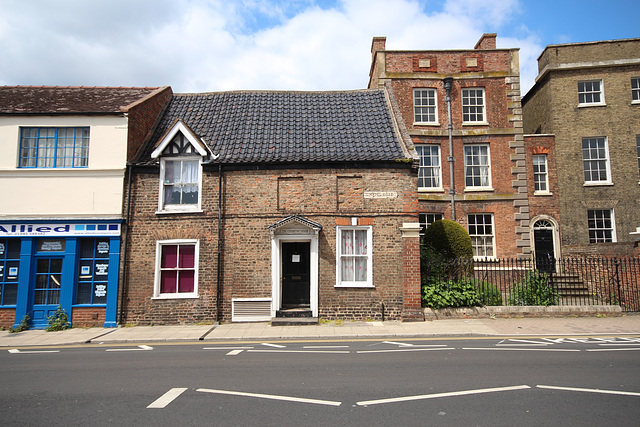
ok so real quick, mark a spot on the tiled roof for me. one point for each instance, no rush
(273, 127)
(69, 100)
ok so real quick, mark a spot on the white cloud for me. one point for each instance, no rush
(211, 45)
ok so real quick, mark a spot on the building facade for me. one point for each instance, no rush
(63, 154)
(248, 206)
(588, 96)
(463, 113)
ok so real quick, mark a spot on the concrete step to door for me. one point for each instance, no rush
(293, 321)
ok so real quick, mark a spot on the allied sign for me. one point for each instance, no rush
(50, 230)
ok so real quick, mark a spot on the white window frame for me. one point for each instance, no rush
(589, 92)
(487, 187)
(635, 90)
(172, 208)
(156, 287)
(540, 175)
(466, 105)
(436, 169)
(432, 96)
(354, 284)
(638, 152)
(591, 182)
(611, 229)
(428, 218)
(484, 240)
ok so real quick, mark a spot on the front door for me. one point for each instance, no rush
(296, 274)
(545, 257)
(46, 291)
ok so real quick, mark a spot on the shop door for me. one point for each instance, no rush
(46, 291)
(296, 284)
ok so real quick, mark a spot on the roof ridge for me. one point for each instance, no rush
(80, 87)
(250, 91)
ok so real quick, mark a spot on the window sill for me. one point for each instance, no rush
(635, 102)
(426, 123)
(353, 285)
(185, 211)
(166, 297)
(542, 193)
(475, 124)
(598, 184)
(430, 190)
(478, 189)
(600, 104)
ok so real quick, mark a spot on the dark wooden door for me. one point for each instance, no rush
(545, 257)
(296, 284)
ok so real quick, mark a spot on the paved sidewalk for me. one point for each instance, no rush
(569, 326)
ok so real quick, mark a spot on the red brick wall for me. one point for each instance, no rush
(253, 200)
(142, 117)
(88, 317)
(7, 317)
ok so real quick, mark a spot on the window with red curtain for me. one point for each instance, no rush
(177, 268)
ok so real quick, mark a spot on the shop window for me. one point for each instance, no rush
(354, 263)
(93, 271)
(177, 269)
(9, 268)
(54, 147)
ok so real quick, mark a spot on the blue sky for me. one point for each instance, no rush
(215, 45)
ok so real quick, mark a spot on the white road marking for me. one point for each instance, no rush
(438, 395)
(397, 343)
(16, 351)
(301, 351)
(167, 398)
(613, 349)
(234, 352)
(615, 344)
(404, 349)
(326, 346)
(226, 348)
(271, 396)
(527, 342)
(273, 345)
(517, 349)
(589, 390)
(140, 348)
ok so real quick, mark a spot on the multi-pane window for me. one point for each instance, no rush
(590, 92)
(425, 108)
(595, 160)
(635, 90)
(54, 147)
(601, 227)
(540, 173)
(180, 180)
(9, 266)
(354, 256)
(638, 151)
(426, 219)
(177, 269)
(477, 167)
(93, 271)
(429, 173)
(481, 232)
(473, 105)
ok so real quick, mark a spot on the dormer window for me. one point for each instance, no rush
(181, 154)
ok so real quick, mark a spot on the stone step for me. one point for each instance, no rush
(293, 321)
(294, 312)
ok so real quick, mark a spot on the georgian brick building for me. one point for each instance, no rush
(463, 113)
(588, 96)
(246, 205)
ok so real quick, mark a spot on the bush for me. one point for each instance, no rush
(488, 293)
(442, 294)
(23, 326)
(533, 289)
(58, 321)
(449, 239)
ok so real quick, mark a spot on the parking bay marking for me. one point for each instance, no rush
(589, 390)
(271, 396)
(438, 395)
(167, 398)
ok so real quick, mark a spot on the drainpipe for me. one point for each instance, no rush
(218, 284)
(124, 245)
(448, 81)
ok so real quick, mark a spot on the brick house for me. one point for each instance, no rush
(247, 206)
(63, 154)
(462, 107)
(588, 96)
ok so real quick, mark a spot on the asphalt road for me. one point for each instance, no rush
(395, 382)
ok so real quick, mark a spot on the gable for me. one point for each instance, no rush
(180, 141)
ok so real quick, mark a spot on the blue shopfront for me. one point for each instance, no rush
(73, 265)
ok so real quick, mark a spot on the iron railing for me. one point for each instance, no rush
(566, 281)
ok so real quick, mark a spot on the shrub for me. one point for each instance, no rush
(442, 294)
(449, 239)
(533, 289)
(488, 293)
(58, 321)
(23, 326)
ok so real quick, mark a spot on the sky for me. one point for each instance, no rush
(307, 45)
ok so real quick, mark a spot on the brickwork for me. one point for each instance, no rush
(551, 107)
(88, 317)
(142, 118)
(254, 200)
(497, 72)
(7, 317)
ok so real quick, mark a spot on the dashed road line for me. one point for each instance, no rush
(271, 397)
(167, 398)
(439, 395)
(227, 348)
(519, 349)
(325, 346)
(16, 351)
(613, 349)
(401, 350)
(301, 351)
(140, 348)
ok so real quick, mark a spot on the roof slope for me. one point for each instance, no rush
(70, 100)
(282, 127)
